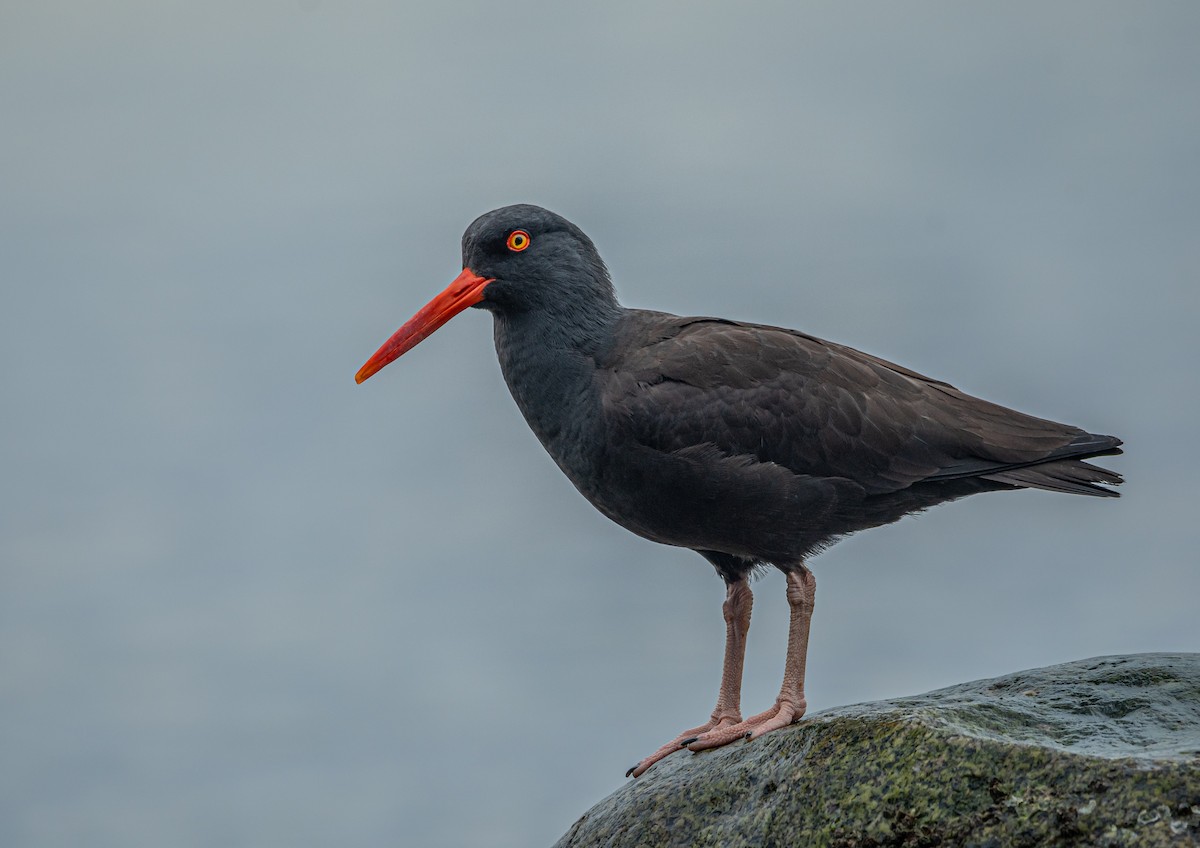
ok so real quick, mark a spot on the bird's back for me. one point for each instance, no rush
(725, 404)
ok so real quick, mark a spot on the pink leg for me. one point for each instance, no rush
(790, 705)
(738, 602)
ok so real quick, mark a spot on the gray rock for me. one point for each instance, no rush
(1099, 752)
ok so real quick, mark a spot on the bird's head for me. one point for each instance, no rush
(515, 259)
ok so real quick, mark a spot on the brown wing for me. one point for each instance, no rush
(817, 408)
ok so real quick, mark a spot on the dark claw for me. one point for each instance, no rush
(686, 742)
(631, 768)
(749, 733)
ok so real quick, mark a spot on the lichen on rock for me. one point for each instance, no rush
(1097, 752)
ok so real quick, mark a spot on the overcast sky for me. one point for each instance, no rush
(246, 602)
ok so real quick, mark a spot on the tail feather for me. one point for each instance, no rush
(1072, 476)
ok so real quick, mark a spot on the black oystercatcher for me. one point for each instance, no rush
(746, 443)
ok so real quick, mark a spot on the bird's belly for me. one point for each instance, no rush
(706, 501)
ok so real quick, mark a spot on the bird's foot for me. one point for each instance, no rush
(683, 740)
(782, 714)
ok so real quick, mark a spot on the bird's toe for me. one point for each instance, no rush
(780, 715)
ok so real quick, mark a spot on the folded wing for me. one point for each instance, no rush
(825, 410)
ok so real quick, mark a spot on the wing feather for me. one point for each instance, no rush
(816, 408)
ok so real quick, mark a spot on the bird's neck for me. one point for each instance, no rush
(549, 363)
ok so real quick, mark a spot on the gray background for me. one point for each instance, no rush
(245, 602)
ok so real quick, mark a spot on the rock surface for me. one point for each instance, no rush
(1100, 752)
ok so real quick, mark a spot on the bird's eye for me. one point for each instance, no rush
(518, 240)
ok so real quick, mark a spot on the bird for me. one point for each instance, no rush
(754, 446)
